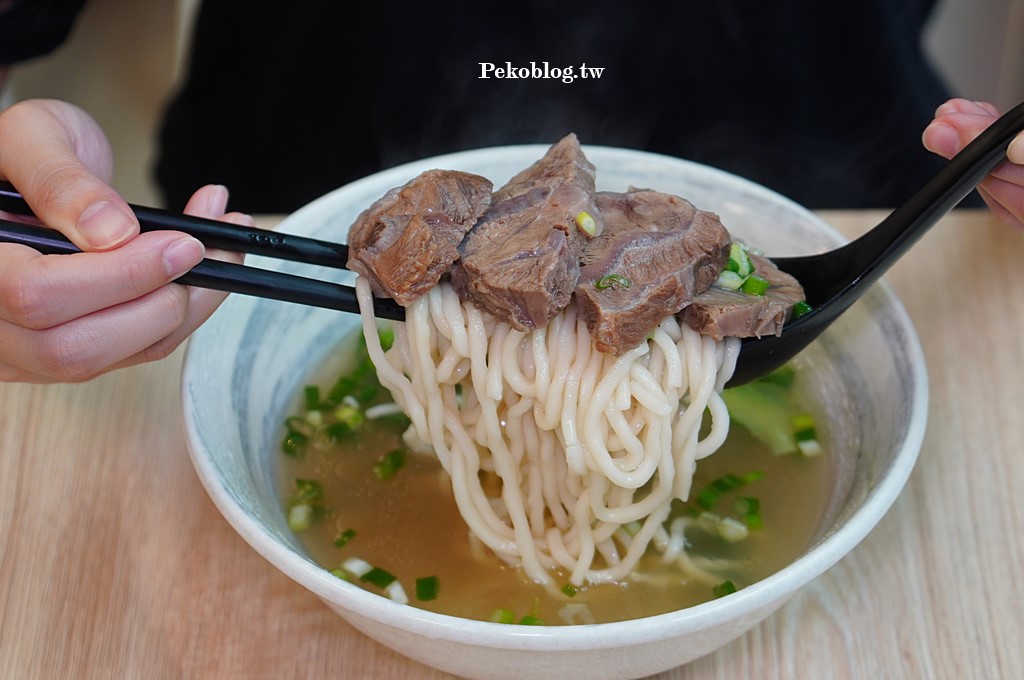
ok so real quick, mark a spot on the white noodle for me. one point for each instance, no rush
(583, 443)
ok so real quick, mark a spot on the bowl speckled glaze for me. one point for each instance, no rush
(244, 367)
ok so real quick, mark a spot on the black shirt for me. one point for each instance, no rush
(285, 101)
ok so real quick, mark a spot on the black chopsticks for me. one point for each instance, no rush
(224, 276)
(217, 234)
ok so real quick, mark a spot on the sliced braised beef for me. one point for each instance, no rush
(409, 238)
(563, 163)
(657, 252)
(521, 260)
(521, 253)
(722, 313)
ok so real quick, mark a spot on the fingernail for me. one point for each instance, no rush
(1015, 152)
(182, 255)
(104, 225)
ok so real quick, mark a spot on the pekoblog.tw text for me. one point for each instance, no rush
(543, 70)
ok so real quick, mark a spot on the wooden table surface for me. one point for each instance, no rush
(114, 563)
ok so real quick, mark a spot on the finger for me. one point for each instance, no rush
(941, 138)
(90, 345)
(948, 135)
(961, 105)
(9, 373)
(202, 303)
(42, 291)
(1015, 152)
(1004, 199)
(59, 160)
(211, 201)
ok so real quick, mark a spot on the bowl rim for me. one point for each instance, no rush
(746, 601)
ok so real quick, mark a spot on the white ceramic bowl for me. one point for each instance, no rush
(245, 366)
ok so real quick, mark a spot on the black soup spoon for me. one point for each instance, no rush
(836, 279)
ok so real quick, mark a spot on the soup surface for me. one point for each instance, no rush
(356, 496)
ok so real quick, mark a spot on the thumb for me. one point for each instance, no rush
(58, 158)
(1015, 152)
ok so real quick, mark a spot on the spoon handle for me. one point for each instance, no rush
(867, 258)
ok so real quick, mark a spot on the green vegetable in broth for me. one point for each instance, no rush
(764, 407)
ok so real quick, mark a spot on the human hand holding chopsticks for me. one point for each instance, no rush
(70, 318)
(957, 122)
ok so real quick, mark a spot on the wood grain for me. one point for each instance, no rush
(115, 564)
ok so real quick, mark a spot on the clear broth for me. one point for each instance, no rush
(409, 525)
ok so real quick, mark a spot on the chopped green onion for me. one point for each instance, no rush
(342, 539)
(709, 495)
(739, 262)
(340, 573)
(806, 435)
(361, 384)
(312, 397)
(724, 588)
(752, 476)
(754, 285)
(294, 444)
(726, 528)
(378, 577)
(729, 280)
(531, 620)
(803, 427)
(299, 425)
(753, 522)
(809, 448)
(801, 309)
(745, 505)
(570, 590)
(307, 490)
(333, 433)
(396, 592)
(707, 498)
(727, 482)
(390, 463)
(300, 516)
(732, 530)
(303, 508)
(349, 416)
(503, 616)
(586, 222)
(611, 280)
(315, 419)
(357, 567)
(426, 588)
(750, 510)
